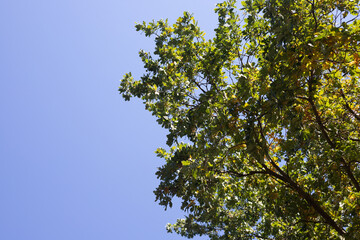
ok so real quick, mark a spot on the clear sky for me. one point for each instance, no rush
(76, 161)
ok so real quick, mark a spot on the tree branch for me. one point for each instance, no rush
(325, 134)
(310, 200)
(348, 107)
(355, 139)
(293, 185)
(251, 173)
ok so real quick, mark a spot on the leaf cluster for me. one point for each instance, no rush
(270, 111)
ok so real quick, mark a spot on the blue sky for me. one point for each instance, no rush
(76, 161)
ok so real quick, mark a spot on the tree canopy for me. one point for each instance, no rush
(263, 119)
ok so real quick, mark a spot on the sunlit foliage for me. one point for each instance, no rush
(269, 110)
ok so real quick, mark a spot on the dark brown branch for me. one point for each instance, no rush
(317, 116)
(348, 107)
(251, 173)
(301, 97)
(309, 199)
(327, 137)
(313, 13)
(293, 185)
(198, 85)
(351, 20)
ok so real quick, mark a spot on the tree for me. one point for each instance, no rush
(263, 119)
